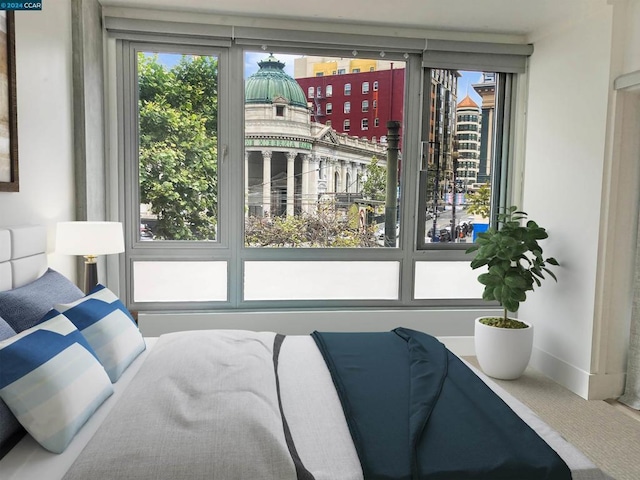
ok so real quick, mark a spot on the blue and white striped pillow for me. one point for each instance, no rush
(51, 380)
(108, 327)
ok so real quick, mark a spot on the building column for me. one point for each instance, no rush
(291, 184)
(306, 182)
(343, 176)
(266, 183)
(246, 183)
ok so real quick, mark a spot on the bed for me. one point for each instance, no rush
(237, 404)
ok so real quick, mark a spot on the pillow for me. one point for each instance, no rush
(10, 428)
(108, 327)
(24, 306)
(51, 380)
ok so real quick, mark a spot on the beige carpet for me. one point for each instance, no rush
(609, 435)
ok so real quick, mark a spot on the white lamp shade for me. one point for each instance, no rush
(89, 238)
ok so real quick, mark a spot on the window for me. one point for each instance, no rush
(310, 92)
(365, 105)
(319, 92)
(329, 90)
(347, 107)
(232, 221)
(347, 89)
(341, 71)
(375, 86)
(365, 87)
(319, 74)
(178, 146)
(355, 70)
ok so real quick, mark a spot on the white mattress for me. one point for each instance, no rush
(29, 461)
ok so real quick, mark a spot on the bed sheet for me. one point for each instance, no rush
(299, 394)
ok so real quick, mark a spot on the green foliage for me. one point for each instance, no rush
(178, 146)
(375, 185)
(514, 258)
(324, 228)
(479, 203)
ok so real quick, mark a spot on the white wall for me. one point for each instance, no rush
(584, 192)
(45, 134)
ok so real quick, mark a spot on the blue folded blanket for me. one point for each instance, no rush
(416, 411)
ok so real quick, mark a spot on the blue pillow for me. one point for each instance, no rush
(51, 380)
(108, 327)
(9, 425)
(24, 306)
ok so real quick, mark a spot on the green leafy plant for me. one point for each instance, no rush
(515, 262)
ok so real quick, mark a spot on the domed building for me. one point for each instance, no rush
(290, 162)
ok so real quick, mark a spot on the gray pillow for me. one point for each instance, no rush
(10, 428)
(24, 306)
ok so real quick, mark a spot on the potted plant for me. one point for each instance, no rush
(515, 264)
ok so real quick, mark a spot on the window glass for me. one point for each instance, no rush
(178, 146)
(365, 87)
(458, 156)
(307, 186)
(329, 90)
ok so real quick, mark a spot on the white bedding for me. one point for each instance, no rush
(301, 394)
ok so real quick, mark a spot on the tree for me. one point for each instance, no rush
(178, 114)
(375, 183)
(479, 202)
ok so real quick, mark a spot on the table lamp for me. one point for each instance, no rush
(89, 239)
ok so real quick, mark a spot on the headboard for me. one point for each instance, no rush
(23, 257)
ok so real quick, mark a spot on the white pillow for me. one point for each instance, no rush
(108, 327)
(51, 380)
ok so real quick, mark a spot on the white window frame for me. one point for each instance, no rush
(365, 87)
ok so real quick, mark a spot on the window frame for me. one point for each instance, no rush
(230, 243)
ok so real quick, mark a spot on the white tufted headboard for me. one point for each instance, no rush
(23, 256)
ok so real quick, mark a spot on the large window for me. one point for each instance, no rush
(235, 185)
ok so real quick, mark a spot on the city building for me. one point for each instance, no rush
(487, 91)
(353, 96)
(291, 161)
(468, 132)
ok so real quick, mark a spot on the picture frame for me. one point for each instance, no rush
(9, 178)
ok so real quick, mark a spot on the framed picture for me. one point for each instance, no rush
(8, 118)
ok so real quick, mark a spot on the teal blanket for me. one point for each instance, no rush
(416, 411)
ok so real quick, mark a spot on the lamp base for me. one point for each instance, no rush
(90, 274)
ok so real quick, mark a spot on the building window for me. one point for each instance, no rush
(329, 90)
(365, 105)
(355, 70)
(328, 123)
(346, 126)
(375, 86)
(365, 87)
(347, 89)
(319, 92)
(341, 71)
(319, 74)
(375, 104)
(364, 124)
(376, 122)
(279, 110)
(310, 91)
(329, 108)
(347, 107)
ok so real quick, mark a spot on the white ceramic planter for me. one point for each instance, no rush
(503, 353)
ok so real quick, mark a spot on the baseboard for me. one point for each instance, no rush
(591, 386)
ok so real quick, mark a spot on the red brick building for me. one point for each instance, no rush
(358, 104)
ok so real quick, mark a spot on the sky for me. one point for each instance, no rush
(251, 60)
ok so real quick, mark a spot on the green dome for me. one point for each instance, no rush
(270, 82)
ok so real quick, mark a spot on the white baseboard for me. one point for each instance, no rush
(591, 386)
